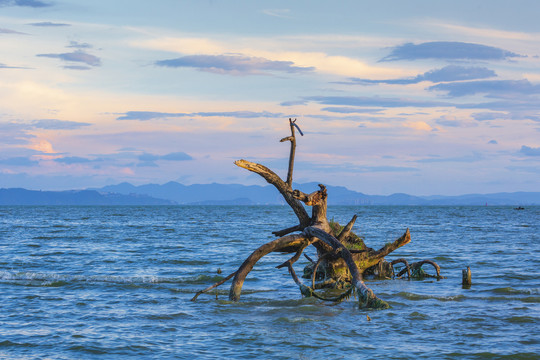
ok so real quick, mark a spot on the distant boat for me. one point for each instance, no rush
(519, 208)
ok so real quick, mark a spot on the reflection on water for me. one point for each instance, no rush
(115, 282)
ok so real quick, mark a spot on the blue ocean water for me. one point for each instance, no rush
(116, 283)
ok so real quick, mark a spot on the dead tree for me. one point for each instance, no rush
(343, 258)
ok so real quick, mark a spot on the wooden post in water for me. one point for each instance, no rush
(466, 278)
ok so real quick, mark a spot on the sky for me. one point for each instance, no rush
(420, 97)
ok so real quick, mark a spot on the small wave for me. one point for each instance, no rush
(185, 262)
(510, 290)
(54, 253)
(295, 319)
(516, 276)
(531, 299)
(167, 316)
(471, 319)
(54, 283)
(89, 349)
(56, 280)
(443, 258)
(412, 296)
(527, 299)
(418, 316)
(43, 237)
(521, 319)
(7, 343)
(490, 355)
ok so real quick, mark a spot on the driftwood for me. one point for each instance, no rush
(343, 258)
(466, 280)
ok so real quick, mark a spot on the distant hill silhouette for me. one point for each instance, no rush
(235, 194)
(74, 197)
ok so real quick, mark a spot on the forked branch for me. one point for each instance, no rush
(292, 139)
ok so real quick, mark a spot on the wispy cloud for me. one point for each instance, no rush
(69, 160)
(493, 88)
(76, 56)
(474, 157)
(530, 151)
(149, 160)
(533, 115)
(54, 124)
(176, 156)
(454, 122)
(14, 134)
(4, 66)
(372, 101)
(348, 167)
(233, 64)
(150, 115)
(77, 67)
(280, 13)
(49, 24)
(9, 31)
(447, 73)
(448, 50)
(27, 3)
(491, 33)
(21, 133)
(19, 161)
(78, 45)
(350, 110)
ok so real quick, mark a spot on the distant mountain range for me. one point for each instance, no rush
(234, 194)
(74, 197)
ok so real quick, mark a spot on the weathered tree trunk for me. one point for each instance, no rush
(343, 256)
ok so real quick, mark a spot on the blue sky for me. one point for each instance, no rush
(421, 97)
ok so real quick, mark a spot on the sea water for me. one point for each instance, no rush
(81, 282)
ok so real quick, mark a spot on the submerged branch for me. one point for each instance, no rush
(404, 262)
(213, 286)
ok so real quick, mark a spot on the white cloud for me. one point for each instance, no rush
(418, 125)
(279, 13)
(487, 33)
(266, 48)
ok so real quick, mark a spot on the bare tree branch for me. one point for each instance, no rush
(288, 241)
(213, 286)
(280, 185)
(346, 230)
